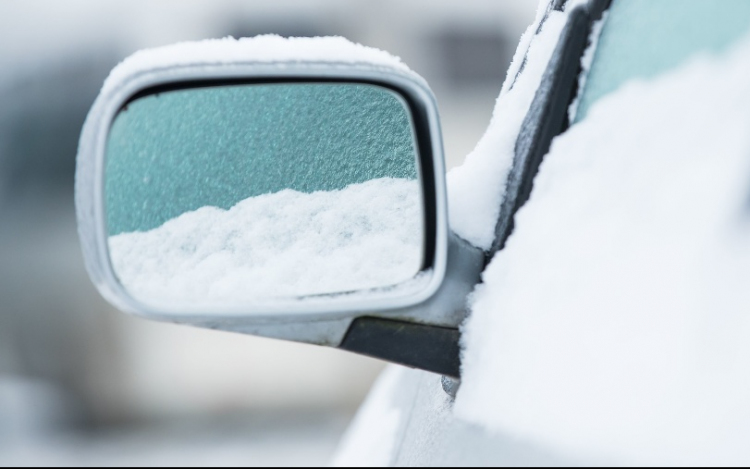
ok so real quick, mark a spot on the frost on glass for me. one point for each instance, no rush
(232, 194)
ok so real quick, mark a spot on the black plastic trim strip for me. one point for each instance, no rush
(419, 346)
(547, 116)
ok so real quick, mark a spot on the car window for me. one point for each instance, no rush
(638, 42)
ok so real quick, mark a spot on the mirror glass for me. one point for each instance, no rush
(232, 194)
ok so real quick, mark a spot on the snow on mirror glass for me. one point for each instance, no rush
(230, 195)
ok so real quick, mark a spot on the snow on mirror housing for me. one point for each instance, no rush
(296, 199)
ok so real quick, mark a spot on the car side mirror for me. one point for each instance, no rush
(288, 188)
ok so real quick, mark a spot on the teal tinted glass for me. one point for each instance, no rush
(177, 151)
(643, 38)
(231, 194)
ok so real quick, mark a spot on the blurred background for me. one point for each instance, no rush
(82, 384)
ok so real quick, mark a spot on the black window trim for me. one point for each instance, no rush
(548, 114)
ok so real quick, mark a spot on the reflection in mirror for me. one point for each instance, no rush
(227, 195)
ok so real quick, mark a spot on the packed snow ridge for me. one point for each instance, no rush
(615, 322)
(279, 245)
(264, 49)
(476, 188)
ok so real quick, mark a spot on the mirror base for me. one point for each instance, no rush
(420, 346)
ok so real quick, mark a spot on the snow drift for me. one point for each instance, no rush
(615, 322)
(284, 244)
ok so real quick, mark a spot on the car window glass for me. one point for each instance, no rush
(637, 42)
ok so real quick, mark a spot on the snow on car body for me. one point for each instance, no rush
(613, 326)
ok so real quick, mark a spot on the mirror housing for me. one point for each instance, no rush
(415, 323)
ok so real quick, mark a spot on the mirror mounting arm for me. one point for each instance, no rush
(426, 336)
(425, 347)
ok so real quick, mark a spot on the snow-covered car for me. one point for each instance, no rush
(612, 328)
(575, 293)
